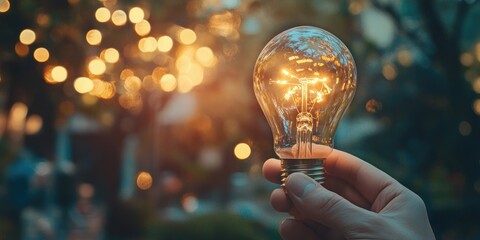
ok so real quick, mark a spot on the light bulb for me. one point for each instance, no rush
(304, 80)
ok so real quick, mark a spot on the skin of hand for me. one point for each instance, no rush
(357, 201)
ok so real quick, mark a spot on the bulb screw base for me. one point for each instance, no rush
(313, 168)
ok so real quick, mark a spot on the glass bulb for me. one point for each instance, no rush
(304, 80)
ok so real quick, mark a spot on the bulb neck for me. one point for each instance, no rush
(313, 168)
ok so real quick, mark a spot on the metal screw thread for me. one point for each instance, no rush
(313, 168)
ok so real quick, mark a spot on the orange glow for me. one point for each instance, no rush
(148, 44)
(225, 24)
(33, 125)
(94, 37)
(183, 64)
(89, 100)
(136, 15)
(143, 28)
(476, 106)
(132, 84)
(83, 85)
(119, 18)
(4, 6)
(389, 71)
(148, 83)
(131, 101)
(242, 151)
(41, 54)
(184, 84)
(187, 36)
(476, 85)
(204, 56)
(404, 57)
(102, 14)
(196, 74)
(86, 191)
(165, 44)
(102, 89)
(168, 82)
(97, 67)
(17, 116)
(27, 36)
(21, 49)
(59, 74)
(43, 19)
(111, 55)
(126, 73)
(466, 59)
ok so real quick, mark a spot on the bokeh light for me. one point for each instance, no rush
(148, 44)
(111, 55)
(17, 116)
(168, 82)
(33, 124)
(27, 36)
(83, 85)
(466, 59)
(4, 6)
(21, 49)
(165, 44)
(144, 180)
(119, 18)
(205, 56)
(187, 36)
(184, 83)
(102, 14)
(94, 37)
(41, 54)
(136, 15)
(476, 106)
(389, 71)
(242, 151)
(132, 84)
(143, 28)
(97, 66)
(59, 74)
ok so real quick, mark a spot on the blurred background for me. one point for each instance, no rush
(123, 119)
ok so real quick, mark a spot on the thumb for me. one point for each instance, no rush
(317, 203)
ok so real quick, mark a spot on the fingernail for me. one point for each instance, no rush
(300, 184)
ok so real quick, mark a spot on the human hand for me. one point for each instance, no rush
(357, 201)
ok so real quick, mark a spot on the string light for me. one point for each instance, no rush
(119, 18)
(97, 67)
(168, 83)
(102, 14)
(83, 85)
(136, 15)
(187, 36)
(4, 6)
(94, 37)
(111, 55)
(143, 28)
(242, 151)
(59, 74)
(41, 54)
(165, 44)
(27, 36)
